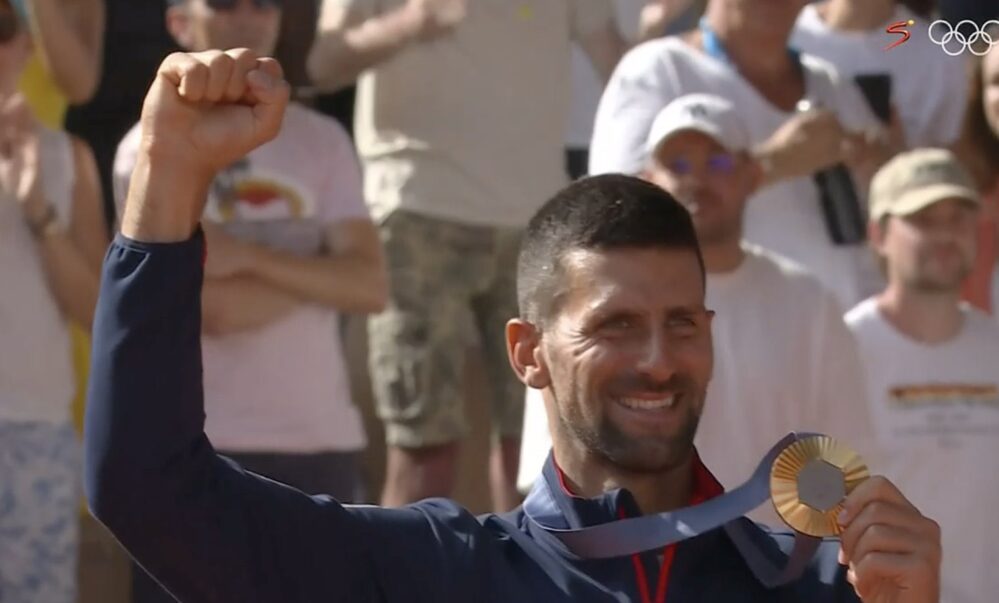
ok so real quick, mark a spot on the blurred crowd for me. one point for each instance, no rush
(844, 184)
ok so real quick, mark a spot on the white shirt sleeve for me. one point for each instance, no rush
(639, 88)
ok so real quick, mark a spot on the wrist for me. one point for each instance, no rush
(44, 224)
(165, 198)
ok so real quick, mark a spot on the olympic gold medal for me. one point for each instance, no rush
(809, 481)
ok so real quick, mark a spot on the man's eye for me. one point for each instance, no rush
(722, 163)
(618, 324)
(680, 166)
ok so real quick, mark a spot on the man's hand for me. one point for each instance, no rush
(657, 15)
(203, 112)
(19, 160)
(435, 18)
(806, 143)
(893, 551)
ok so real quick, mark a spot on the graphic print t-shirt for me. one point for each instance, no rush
(936, 414)
(284, 387)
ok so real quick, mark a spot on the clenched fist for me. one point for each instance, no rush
(203, 112)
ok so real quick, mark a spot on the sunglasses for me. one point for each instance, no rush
(231, 4)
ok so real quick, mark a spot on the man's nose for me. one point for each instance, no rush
(657, 362)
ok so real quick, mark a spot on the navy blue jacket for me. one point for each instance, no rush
(210, 531)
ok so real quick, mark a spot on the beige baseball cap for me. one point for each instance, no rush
(917, 179)
(706, 113)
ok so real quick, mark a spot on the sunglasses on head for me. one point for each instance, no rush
(231, 4)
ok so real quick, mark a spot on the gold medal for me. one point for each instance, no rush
(809, 481)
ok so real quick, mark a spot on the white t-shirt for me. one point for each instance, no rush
(587, 83)
(284, 387)
(784, 361)
(929, 87)
(936, 412)
(785, 217)
(36, 368)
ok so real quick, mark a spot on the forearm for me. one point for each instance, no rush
(347, 283)
(73, 60)
(242, 303)
(339, 56)
(70, 277)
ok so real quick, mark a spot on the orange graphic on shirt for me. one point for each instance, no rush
(944, 394)
(256, 193)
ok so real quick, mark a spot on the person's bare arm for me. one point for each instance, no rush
(350, 278)
(69, 36)
(604, 47)
(242, 303)
(347, 43)
(69, 250)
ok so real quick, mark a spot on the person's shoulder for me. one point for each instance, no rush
(310, 126)
(655, 53)
(788, 273)
(980, 324)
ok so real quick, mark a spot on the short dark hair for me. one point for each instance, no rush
(601, 212)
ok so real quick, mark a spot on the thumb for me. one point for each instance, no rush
(269, 93)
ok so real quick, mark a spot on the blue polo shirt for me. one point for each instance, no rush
(210, 531)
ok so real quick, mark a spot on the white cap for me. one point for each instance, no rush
(706, 113)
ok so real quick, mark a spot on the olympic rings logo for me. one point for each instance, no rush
(957, 38)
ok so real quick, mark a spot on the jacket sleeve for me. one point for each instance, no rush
(204, 528)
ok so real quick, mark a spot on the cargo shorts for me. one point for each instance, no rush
(451, 285)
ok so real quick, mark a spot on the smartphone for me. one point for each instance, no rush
(876, 88)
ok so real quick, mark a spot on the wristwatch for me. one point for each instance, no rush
(47, 226)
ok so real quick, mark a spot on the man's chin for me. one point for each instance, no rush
(656, 457)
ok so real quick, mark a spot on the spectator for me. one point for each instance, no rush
(979, 151)
(135, 41)
(933, 362)
(740, 53)
(784, 360)
(928, 87)
(461, 116)
(638, 20)
(66, 67)
(290, 246)
(52, 240)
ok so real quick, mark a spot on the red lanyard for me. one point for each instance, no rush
(643, 582)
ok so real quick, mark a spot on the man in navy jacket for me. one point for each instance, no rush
(613, 328)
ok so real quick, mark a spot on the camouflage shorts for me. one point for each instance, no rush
(451, 285)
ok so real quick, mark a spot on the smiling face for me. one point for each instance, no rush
(629, 356)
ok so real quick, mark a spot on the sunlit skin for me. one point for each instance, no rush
(629, 324)
(932, 250)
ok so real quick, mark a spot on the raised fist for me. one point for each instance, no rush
(206, 110)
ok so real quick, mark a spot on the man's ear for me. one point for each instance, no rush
(178, 23)
(523, 346)
(876, 234)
